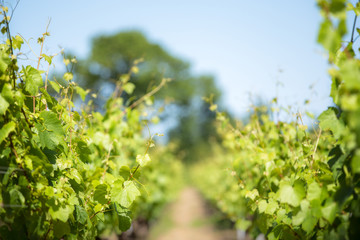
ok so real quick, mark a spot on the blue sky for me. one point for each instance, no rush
(244, 44)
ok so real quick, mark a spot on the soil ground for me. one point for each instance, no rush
(188, 219)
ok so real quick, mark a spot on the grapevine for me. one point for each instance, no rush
(65, 173)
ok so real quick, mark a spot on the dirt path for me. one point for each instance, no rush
(189, 219)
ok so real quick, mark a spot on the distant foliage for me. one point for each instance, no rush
(289, 182)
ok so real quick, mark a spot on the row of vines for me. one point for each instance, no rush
(67, 173)
(287, 181)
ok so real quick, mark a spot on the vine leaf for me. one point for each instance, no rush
(3, 105)
(6, 130)
(314, 191)
(329, 211)
(33, 80)
(309, 223)
(100, 193)
(4, 61)
(291, 195)
(61, 212)
(81, 214)
(126, 196)
(129, 88)
(51, 133)
(61, 229)
(124, 221)
(328, 120)
(143, 160)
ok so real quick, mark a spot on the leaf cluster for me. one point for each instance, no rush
(65, 173)
(290, 183)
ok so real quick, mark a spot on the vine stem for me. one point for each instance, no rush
(71, 117)
(40, 57)
(353, 29)
(23, 112)
(99, 212)
(107, 161)
(11, 47)
(48, 231)
(164, 80)
(316, 145)
(132, 174)
(147, 149)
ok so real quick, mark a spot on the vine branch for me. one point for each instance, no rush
(353, 28)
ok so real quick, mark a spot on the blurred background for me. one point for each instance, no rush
(243, 52)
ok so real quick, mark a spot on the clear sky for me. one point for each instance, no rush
(247, 45)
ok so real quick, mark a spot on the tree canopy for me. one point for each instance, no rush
(114, 55)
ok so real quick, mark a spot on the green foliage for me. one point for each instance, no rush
(66, 174)
(114, 55)
(289, 183)
(166, 175)
(345, 126)
(273, 180)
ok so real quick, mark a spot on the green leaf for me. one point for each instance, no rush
(282, 216)
(124, 172)
(17, 41)
(50, 101)
(55, 86)
(116, 190)
(100, 193)
(314, 191)
(329, 211)
(61, 213)
(82, 93)
(262, 206)
(83, 151)
(16, 197)
(40, 163)
(243, 224)
(350, 73)
(127, 196)
(299, 218)
(47, 58)
(6, 130)
(51, 132)
(129, 88)
(74, 174)
(309, 223)
(143, 160)
(329, 37)
(271, 207)
(291, 195)
(252, 194)
(61, 229)
(73, 199)
(328, 120)
(124, 222)
(33, 80)
(37, 225)
(7, 93)
(3, 105)
(213, 107)
(68, 76)
(355, 162)
(81, 215)
(4, 61)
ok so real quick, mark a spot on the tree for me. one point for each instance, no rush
(113, 55)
